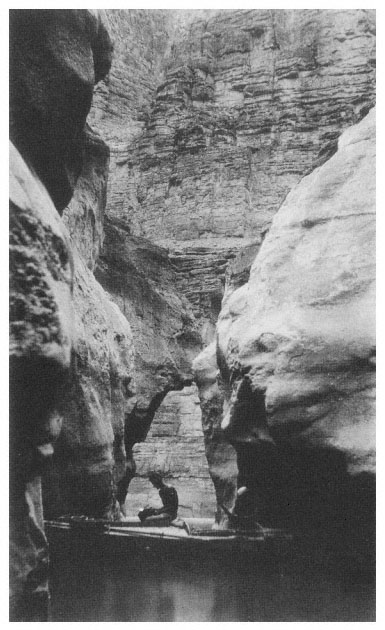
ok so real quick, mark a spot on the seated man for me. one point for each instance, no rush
(122, 490)
(244, 514)
(169, 497)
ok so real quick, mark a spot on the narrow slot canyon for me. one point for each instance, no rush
(192, 315)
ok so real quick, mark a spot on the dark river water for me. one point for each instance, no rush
(145, 587)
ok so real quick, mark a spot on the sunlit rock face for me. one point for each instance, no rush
(246, 103)
(212, 118)
(154, 350)
(90, 454)
(41, 328)
(84, 216)
(296, 347)
(55, 59)
(140, 279)
(221, 455)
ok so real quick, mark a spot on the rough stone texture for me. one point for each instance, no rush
(296, 348)
(55, 58)
(84, 216)
(90, 452)
(175, 446)
(139, 277)
(222, 115)
(221, 455)
(248, 102)
(40, 345)
(211, 123)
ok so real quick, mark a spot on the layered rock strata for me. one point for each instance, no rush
(175, 446)
(296, 350)
(140, 279)
(248, 102)
(95, 448)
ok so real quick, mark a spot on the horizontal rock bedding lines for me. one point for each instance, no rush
(242, 105)
(233, 110)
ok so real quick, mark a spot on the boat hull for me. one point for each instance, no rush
(109, 537)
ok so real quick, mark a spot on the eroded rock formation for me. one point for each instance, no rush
(211, 121)
(296, 349)
(41, 330)
(246, 103)
(140, 278)
(220, 118)
(56, 57)
(221, 455)
(96, 444)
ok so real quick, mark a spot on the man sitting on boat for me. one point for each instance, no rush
(244, 514)
(169, 496)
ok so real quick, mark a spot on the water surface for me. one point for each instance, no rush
(145, 587)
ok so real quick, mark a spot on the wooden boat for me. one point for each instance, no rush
(135, 536)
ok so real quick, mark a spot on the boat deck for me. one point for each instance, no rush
(198, 531)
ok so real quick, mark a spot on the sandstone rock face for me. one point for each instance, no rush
(84, 216)
(140, 279)
(249, 101)
(40, 347)
(296, 344)
(223, 113)
(90, 452)
(56, 57)
(220, 454)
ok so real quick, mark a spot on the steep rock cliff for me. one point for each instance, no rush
(248, 102)
(95, 448)
(140, 279)
(221, 117)
(296, 349)
(56, 57)
(221, 455)
(90, 455)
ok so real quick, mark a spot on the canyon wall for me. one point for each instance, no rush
(55, 59)
(175, 445)
(224, 112)
(296, 353)
(246, 104)
(219, 155)
(138, 362)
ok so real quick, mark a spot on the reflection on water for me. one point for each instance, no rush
(88, 587)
